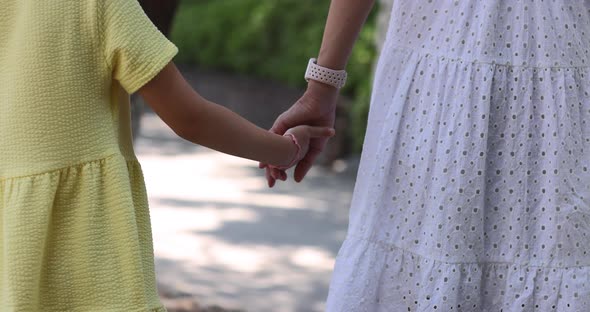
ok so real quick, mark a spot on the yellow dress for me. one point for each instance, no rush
(75, 231)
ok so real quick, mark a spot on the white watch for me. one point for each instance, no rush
(335, 78)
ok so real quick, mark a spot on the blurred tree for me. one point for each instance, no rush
(161, 12)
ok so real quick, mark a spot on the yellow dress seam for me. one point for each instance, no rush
(80, 164)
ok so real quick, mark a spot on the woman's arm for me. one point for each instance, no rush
(202, 122)
(317, 106)
(345, 19)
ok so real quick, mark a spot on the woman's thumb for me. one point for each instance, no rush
(321, 132)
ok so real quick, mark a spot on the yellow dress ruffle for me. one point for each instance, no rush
(77, 239)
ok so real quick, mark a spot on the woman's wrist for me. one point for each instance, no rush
(322, 95)
(322, 88)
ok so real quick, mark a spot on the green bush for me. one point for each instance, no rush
(270, 39)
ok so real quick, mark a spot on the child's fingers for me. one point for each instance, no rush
(269, 178)
(321, 132)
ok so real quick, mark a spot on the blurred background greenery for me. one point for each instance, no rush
(272, 39)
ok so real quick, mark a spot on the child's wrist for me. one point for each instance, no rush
(295, 147)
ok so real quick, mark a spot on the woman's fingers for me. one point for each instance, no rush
(315, 148)
(321, 132)
(289, 119)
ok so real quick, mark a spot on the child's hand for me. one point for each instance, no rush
(301, 137)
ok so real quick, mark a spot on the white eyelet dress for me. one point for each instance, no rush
(473, 192)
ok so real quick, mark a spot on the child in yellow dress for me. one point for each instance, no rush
(74, 221)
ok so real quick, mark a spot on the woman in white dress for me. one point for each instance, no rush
(473, 192)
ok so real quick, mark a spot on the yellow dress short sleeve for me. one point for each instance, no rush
(134, 48)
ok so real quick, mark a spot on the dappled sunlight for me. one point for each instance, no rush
(205, 218)
(174, 225)
(242, 259)
(251, 276)
(312, 259)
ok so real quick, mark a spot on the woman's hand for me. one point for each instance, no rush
(317, 107)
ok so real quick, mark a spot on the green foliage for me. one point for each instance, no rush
(270, 39)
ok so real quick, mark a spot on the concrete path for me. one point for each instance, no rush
(222, 236)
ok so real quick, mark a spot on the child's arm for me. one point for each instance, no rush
(200, 121)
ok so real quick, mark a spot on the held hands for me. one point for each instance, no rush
(301, 137)
(317, 108)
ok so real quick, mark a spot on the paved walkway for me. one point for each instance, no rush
(222, 236)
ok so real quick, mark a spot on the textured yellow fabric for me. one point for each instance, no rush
(75, 230)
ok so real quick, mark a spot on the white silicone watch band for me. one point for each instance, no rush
(335, 78)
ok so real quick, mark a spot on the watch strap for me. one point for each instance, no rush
(335, 78)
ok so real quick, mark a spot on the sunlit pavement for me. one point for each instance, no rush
(222, 236)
